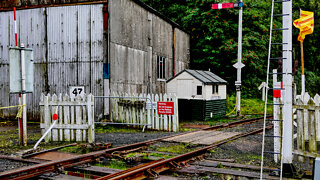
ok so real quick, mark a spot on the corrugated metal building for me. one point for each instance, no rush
(115, 45)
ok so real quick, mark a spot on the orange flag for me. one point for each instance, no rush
(305, 23)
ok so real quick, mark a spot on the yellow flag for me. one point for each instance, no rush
(305, 23)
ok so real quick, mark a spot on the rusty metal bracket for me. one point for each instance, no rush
(153, 173)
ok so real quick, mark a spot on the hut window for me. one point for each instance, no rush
(161, 67)
(215, 89)
(199, 90)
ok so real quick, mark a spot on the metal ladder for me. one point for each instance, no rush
(272, 30)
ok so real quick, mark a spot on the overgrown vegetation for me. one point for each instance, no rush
(214, 39)
(173, 148)
(248, 106)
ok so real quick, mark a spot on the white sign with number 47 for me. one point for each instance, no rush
(76, 91)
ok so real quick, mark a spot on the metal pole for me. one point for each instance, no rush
(238, 82)
(24, 97)
(287, 84)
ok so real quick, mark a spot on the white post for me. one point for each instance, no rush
(239, 65)
(276, 116)
(303, 88)
(24, 97)
(287, 83)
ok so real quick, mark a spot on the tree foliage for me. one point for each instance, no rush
(214, 37)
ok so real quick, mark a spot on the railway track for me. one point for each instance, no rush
(77, 165)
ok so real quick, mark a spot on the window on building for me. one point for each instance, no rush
(215, 89)
(199, 90)
(161, 67)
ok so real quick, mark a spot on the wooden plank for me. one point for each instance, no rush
(85, 117)
(149, 111)
(306, 98)
(68, 126)
(312, 129)
(42, 112)
(66, 118)
(90, 110)
(317, 115)
(300, 129)
(210, 163)
(72, 120)
(54, 110)
(47, 117)
(165, 118)
(78, 120)
(157, 116)
(175, 117)
(203, 170)
(60, 118)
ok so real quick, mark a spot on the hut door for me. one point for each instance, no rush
(184, 88)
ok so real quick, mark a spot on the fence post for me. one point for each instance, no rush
(72, 108)
(149, 111)
(66, 117)
(306, 98)
(90, 115)
(312, 124)
(78, 118)
(176, 115)
(165, 117)
(157, 116)
(47, 119)
(84, 108)
(42, 113)
(53, 110)
(300, 130)
(317, 115)
(60, 117)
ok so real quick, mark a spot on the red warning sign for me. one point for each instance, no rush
(165, 108)
(277, 93)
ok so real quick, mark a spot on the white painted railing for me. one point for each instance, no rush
(142, 111)
(75, 117)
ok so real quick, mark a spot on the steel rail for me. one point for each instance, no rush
(231, 124)
(156, 168)
(38, 169)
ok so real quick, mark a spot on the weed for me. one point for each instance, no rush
(165, 156)
(117, 164)
(178, 149)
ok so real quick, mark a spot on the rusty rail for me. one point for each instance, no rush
(60, 165)
(154, 169)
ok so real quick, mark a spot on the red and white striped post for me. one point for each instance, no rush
(15, 26)
(22, 133)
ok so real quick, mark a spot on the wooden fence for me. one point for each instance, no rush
(75, 117)
(142, 110)
(308, 126)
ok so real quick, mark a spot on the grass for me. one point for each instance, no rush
(117, 164)
(173, 148)
(112, 129)
(248, 106)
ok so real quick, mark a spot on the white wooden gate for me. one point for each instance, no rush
(142, 110)
(75, 117)
(308, 126)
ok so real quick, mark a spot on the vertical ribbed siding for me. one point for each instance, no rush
(72, 39)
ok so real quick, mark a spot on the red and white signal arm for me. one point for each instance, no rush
(222, 5)
(166, 108)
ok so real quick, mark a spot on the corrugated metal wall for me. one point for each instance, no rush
(139, 36)
(68, 50)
